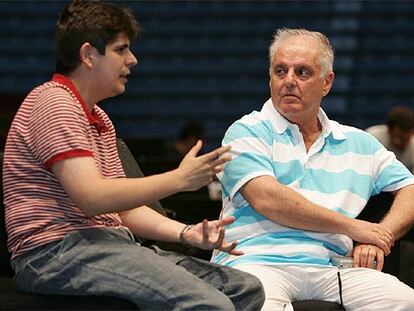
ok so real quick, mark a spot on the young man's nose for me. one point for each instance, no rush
(131, 60)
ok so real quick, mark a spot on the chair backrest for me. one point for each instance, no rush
(132, 169)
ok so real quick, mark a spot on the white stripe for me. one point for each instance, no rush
(254, 145)
(385, 158)
(268, 226)
(248, 178)
(401, 184)
(361, 164)
(277, 152)
(311, 250)
(252, 119)
(285, 153)
(344, 199)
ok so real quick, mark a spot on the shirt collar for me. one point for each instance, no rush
(92, 116)
(280, 123)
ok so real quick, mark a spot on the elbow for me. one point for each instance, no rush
(89, 203)
(88, 207)
(264, 207)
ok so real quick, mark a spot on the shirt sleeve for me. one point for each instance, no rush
(251, 155)
(58, 128)
(390, 174)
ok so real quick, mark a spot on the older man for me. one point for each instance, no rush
(298, 180)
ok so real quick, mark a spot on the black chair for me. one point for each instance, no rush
(13, 299)
(406, 273)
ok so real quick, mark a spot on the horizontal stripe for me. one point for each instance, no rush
(275, 259)
(392, 174)
(50, 126)
(288, 238)
(241, 166)
(357, 142)
(335, 201)
(261, 129)
(255, 230)
(343, 162)
(327, 182)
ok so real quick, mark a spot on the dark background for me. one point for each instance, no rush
(207, 60)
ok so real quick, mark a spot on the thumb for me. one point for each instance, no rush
(195, 149)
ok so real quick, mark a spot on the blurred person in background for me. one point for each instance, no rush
(398, 134)
(190, 133)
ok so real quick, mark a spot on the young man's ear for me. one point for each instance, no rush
(86, 54)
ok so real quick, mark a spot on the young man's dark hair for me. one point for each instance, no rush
(91, 21)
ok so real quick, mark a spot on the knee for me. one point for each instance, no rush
(402, 298)
(254, 295)
(406, 303)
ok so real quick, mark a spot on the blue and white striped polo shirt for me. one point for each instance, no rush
(341, 171)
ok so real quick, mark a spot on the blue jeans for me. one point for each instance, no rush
(108, 262)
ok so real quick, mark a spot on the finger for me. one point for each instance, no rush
(384, 246)
(205, 232)
(371, 257)
(194, 150)
(213, 155)
(218, 169)
(380, 260)
(225, 221)
(363, 258)
(388, 236)
(220, 239)
(231, 249)
(357, 257)
(223, 159)
(236, 252)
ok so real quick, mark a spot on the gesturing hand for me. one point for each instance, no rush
(370, 233)
(366, 254)
(210, 235)
(196, 172)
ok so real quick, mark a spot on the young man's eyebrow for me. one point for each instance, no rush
(123, 45)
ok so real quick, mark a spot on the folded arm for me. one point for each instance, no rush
(398, 220)
(283, 205)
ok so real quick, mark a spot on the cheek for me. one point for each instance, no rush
(274, 86)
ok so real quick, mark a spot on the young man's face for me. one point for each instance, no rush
(113, 68)
(296, 82)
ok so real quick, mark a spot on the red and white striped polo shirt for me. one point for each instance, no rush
(52, 124)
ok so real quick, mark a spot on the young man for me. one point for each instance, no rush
(297, 181)
(71, 214)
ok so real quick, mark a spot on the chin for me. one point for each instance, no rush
(120, 90)
(289, 108)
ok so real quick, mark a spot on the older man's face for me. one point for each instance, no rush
(296, 82)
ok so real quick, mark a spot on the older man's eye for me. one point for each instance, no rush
(303, 72)
(279, 71)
